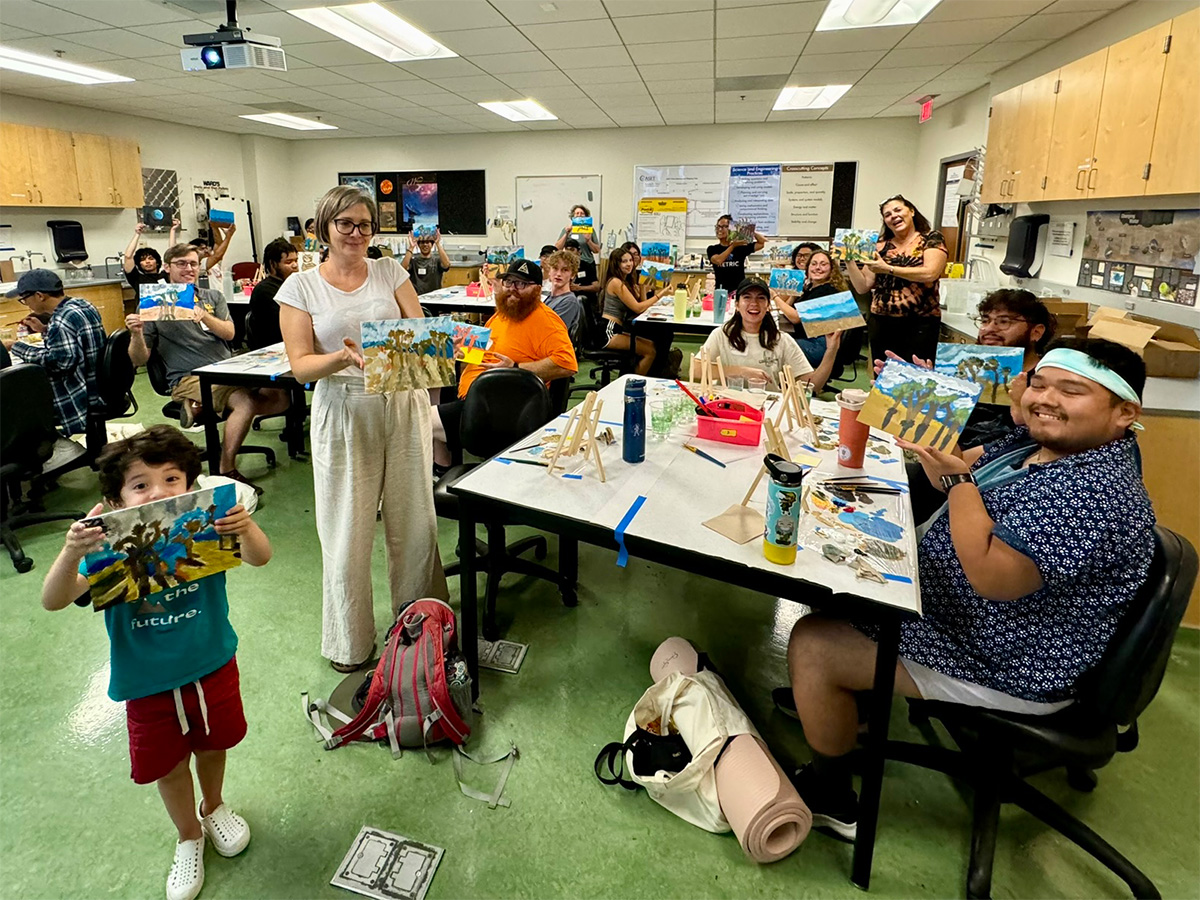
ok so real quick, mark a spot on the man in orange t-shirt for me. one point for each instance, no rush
(526, 334)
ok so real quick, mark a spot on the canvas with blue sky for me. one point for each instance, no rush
(825, 315)
(992, 368)
(920, 405)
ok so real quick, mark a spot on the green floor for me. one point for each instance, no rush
(72, 824)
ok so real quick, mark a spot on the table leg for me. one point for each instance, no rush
(879, 713)
(633, 357)
(568, 569)
(468, 613)
(212, 437)
(295, 421)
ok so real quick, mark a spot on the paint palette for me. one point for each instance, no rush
(862, 531)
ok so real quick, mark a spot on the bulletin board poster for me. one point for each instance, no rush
(1150, 254)
(419, 197)
(662, 219)
(705, 187)
(754, 196)
(805, 199)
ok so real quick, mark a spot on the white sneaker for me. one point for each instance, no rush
(227, 830)
(187, 871)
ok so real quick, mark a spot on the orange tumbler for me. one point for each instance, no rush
(852, 434)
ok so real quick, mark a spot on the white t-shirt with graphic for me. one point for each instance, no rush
(786, 352)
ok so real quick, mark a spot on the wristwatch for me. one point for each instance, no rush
(949, 481)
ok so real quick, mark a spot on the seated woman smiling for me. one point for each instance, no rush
(750, 344)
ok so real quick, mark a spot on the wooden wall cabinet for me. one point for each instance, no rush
(1174, 162)
(1002, 131)
(1073, 135)
(47, 167)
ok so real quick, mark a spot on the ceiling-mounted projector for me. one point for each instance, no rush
(232, 47)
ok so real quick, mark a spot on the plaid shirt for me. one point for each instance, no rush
(70, 353)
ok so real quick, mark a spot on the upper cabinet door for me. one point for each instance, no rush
(1073, 137)
(16, 176)
(1125, 134)
(997, 164)
(94, 170)
(1175, 159)
(52, 159)
(127, 172)
(1031, 144)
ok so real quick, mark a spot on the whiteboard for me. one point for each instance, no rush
(551, 197)
(705, 187)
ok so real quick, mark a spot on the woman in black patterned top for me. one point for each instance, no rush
(903, 281)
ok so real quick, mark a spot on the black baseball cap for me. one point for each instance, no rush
(35, 280)
(752, 282)
(525, 270)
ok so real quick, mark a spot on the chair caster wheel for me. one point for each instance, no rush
(569, 597)
(257, 426)
(23, 565)
(1082, 780)
(539, 551)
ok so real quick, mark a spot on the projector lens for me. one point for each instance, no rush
(212, 58)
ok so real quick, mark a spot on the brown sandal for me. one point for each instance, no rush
(347, 668)
(238, 476)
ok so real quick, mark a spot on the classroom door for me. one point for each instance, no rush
(544, 207)
(950, 208)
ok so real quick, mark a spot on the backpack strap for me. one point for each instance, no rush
(375, 698)
(313, 711)
(612, 757)
(495, 798)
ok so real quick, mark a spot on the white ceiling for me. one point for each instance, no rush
(593, 63)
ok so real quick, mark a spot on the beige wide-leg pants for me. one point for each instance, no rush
(367, 448)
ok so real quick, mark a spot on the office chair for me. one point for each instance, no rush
(999, 750)
(243, 270)
(848, 354)
(502, 407)
(156, 369)
(591, 349)
(27, 439)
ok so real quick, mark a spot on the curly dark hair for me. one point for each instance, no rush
(1025, 305)
(920, 223)
(156, 446)
(147, 252)
(1113, 356)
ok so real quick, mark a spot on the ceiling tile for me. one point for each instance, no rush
(727, 117)
(470, 83)
(856, 40)
(442, 68)
(558, 92)
(975, 31)
(818, 63)
(76, 53)
(593, 57)
(119, 13)
(607, 75)
(535, 79)
(628, 117)
(620, 8)
(16, 34)
(40, 19)
(446, 16)
(734, 98)
(530, 12)
(1065, 6)
(472, 41)
(296, 94)
(352, 91)
(688, 118)
(172, 32)
(887, 91)
(957, 10)
(854, 109)
(126, 43)
(752, 47)
(621, 95)
(506, 63)
(918, 56)
(314, 76)
(682, 86)
(686, 52)
(785, 18)
(1002, 52)
(1053, 26)
(771, 65)
(738, 4)
(288, 29)
(372, 72)
(899, 111)
(595, 33)
(795, 115)
(696, 26)
(919, 74)
(331, 53)
(950, 85)
(676, 71)
(394, 104)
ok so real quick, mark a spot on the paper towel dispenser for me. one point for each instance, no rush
(1026, 246)
(67, 237)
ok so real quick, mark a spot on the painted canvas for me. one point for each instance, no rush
(825, 315)
(581, 225)
(364, 183)
(920, 405)
(659, 250)
(502, 256)
(420, 202)
(992, 368)
(470, 341)
(743, 230)
(787, 281)
(166, 302)
(158, 546)
(657, 271)
(408, 354)
(853, 245)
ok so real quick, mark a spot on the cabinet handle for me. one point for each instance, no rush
(1079, 179)
(39, 190)
(1091, 187)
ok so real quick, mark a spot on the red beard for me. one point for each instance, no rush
(512, 306)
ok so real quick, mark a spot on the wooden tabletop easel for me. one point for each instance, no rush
(580, 433)
(706, 371)
(794, 404)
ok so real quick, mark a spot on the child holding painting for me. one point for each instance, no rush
(171, 655)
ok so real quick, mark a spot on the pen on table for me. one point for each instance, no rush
(705, 455)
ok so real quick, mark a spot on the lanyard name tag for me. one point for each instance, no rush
(581, 274)
(421, 271)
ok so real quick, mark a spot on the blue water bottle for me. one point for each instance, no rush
(783, 509)
(720, 302)
(633, 439)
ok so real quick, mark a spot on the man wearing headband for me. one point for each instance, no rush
(1044, 539)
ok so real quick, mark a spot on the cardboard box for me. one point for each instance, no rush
(7, 271)
(1170, 351)
(1069, 315)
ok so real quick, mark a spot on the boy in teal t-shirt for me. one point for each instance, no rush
(171, 654)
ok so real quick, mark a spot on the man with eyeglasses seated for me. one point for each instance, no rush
(1042, 541)
(187, 345)
(526, 334)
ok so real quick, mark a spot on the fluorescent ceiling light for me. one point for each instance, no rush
(287, 121)
(817, 97)
(372, 28)
(840, 14)
(520, 110)
(52, 67)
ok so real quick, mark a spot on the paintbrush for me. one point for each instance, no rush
(699, 452)
(700, 407)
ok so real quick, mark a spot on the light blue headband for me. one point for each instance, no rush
(1088, 367)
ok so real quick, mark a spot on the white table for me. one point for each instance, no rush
(655, 509)
(455, 299)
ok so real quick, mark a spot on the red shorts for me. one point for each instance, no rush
(157, 743)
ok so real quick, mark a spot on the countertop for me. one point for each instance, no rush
(7, 286)
(1162, 396)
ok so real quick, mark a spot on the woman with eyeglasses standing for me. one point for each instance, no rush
(366, 448)
(903, 282)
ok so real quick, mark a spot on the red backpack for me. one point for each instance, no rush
(420, 692)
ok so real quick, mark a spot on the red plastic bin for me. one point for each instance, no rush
(728, 428)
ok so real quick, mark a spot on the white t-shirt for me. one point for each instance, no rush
(339, 314)
(785, 353)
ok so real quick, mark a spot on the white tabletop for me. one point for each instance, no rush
(456, 298)
(270, 361)
(663, 312)
(682, 490)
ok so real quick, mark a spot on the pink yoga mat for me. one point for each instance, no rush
(764, 810)
(675, 654)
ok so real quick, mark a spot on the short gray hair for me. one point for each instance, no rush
(335, 202)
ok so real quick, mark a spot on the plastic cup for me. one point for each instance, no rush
(756, 385)
(660, 419)
(736, 382)
(852, 434)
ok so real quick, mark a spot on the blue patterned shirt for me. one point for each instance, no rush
(70, 353)
(1086, 522)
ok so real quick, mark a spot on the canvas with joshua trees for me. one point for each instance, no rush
(920, 405)
(408, 354)
(992, 368)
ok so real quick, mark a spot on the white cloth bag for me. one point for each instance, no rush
(706, 716)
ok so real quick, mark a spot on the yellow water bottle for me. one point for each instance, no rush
(681, 299)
